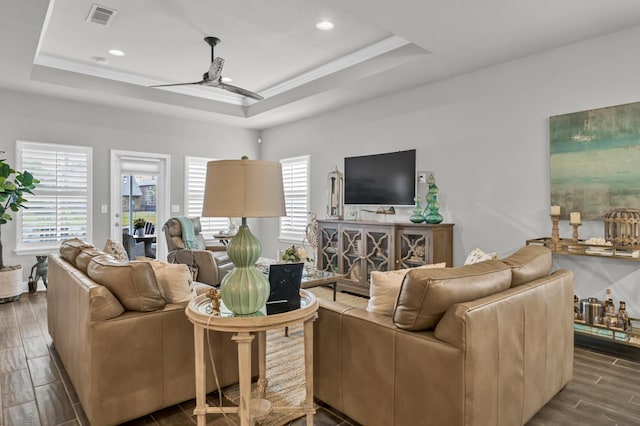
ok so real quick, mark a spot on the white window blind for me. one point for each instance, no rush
(61, 206)
(295, 178)
(196, 170)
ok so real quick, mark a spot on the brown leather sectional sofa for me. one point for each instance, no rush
(484, 344)
(123, 363)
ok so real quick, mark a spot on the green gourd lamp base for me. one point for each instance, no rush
(245, 289)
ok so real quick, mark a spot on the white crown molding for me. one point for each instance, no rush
(376, 49)
(351, 59)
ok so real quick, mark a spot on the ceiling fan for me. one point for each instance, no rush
(213, 77)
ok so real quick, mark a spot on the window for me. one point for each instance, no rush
(196, 171)
(61, 206)
(295, 178)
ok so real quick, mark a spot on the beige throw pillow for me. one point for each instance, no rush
(116, 249)
(174, 281)
(385, 286)
(477, 255)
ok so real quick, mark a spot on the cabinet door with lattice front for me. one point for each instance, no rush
(414, 248)
(328, 244)
(351, 254)
(378, 250)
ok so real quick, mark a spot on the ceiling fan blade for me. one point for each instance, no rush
(215, 69)
(179, 84)
(240, 91)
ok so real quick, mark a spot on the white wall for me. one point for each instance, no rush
(35, 118)
(485, 136)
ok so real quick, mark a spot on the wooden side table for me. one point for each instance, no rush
(246, 328)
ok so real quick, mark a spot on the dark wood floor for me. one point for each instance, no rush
(35, 389)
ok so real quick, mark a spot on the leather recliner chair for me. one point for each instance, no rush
(213, 265)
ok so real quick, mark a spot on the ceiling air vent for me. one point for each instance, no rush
(101, 15)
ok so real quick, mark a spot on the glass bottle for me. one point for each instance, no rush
(623, 317)
(417, 216)
(610, 317)
(430, 213)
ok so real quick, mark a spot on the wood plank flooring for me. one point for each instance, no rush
(35, 389)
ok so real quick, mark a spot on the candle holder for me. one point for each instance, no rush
(555, 232)
(575, 231)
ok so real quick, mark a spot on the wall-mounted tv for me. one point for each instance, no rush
(381, 179)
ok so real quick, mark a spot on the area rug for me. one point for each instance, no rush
(285, 366)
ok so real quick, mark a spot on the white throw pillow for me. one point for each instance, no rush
(385, 286)
(477, 255)
(116, 249)
(174, 281)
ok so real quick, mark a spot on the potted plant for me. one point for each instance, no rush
(138, 225)
(13, 185)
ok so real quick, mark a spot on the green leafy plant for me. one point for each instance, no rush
(295, 254)
(13, 185)
(139, 223)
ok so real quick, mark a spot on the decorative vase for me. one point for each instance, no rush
(245, 289)
(417, 216)
(140, 232)
(431, 214)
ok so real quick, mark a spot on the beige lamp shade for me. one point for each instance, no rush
(243, 188)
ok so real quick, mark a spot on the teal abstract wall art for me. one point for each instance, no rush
(595, 160)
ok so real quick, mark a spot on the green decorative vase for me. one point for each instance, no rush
(417, 216)
(244, 290)
(431, 214)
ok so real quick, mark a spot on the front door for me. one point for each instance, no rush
(140, 201)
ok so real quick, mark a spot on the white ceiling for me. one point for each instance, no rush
(272, 47)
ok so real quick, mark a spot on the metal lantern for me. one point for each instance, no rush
(335, 189)
(622, 227)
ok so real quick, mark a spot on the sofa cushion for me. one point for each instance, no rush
(116, 249)
(104, 305)
(70, 249)
(85, 255)
(385, 286)
(426, 294)
(133, 283)
(528, 264)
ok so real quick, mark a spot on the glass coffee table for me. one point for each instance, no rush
(245, 328)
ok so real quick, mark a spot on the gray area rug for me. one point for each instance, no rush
(285, 366)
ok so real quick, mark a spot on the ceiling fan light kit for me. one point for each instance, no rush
(213, 77)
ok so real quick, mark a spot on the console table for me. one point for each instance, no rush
(246, 327)
(356, 248)
(570, 247)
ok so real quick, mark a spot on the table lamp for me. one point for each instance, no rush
(244, 188)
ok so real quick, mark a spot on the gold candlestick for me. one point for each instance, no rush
(555, 232)
(575, 231)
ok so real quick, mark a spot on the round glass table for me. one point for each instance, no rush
(245, 328)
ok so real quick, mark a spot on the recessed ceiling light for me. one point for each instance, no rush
(325, 25)
(116, 52)
(227, 79)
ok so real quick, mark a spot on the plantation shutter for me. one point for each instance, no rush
(61, 206)
(295, 179)
(196, 170)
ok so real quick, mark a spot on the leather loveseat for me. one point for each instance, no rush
(483, 344)
(125, 363)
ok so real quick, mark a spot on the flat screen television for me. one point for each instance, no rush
(381, 179)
